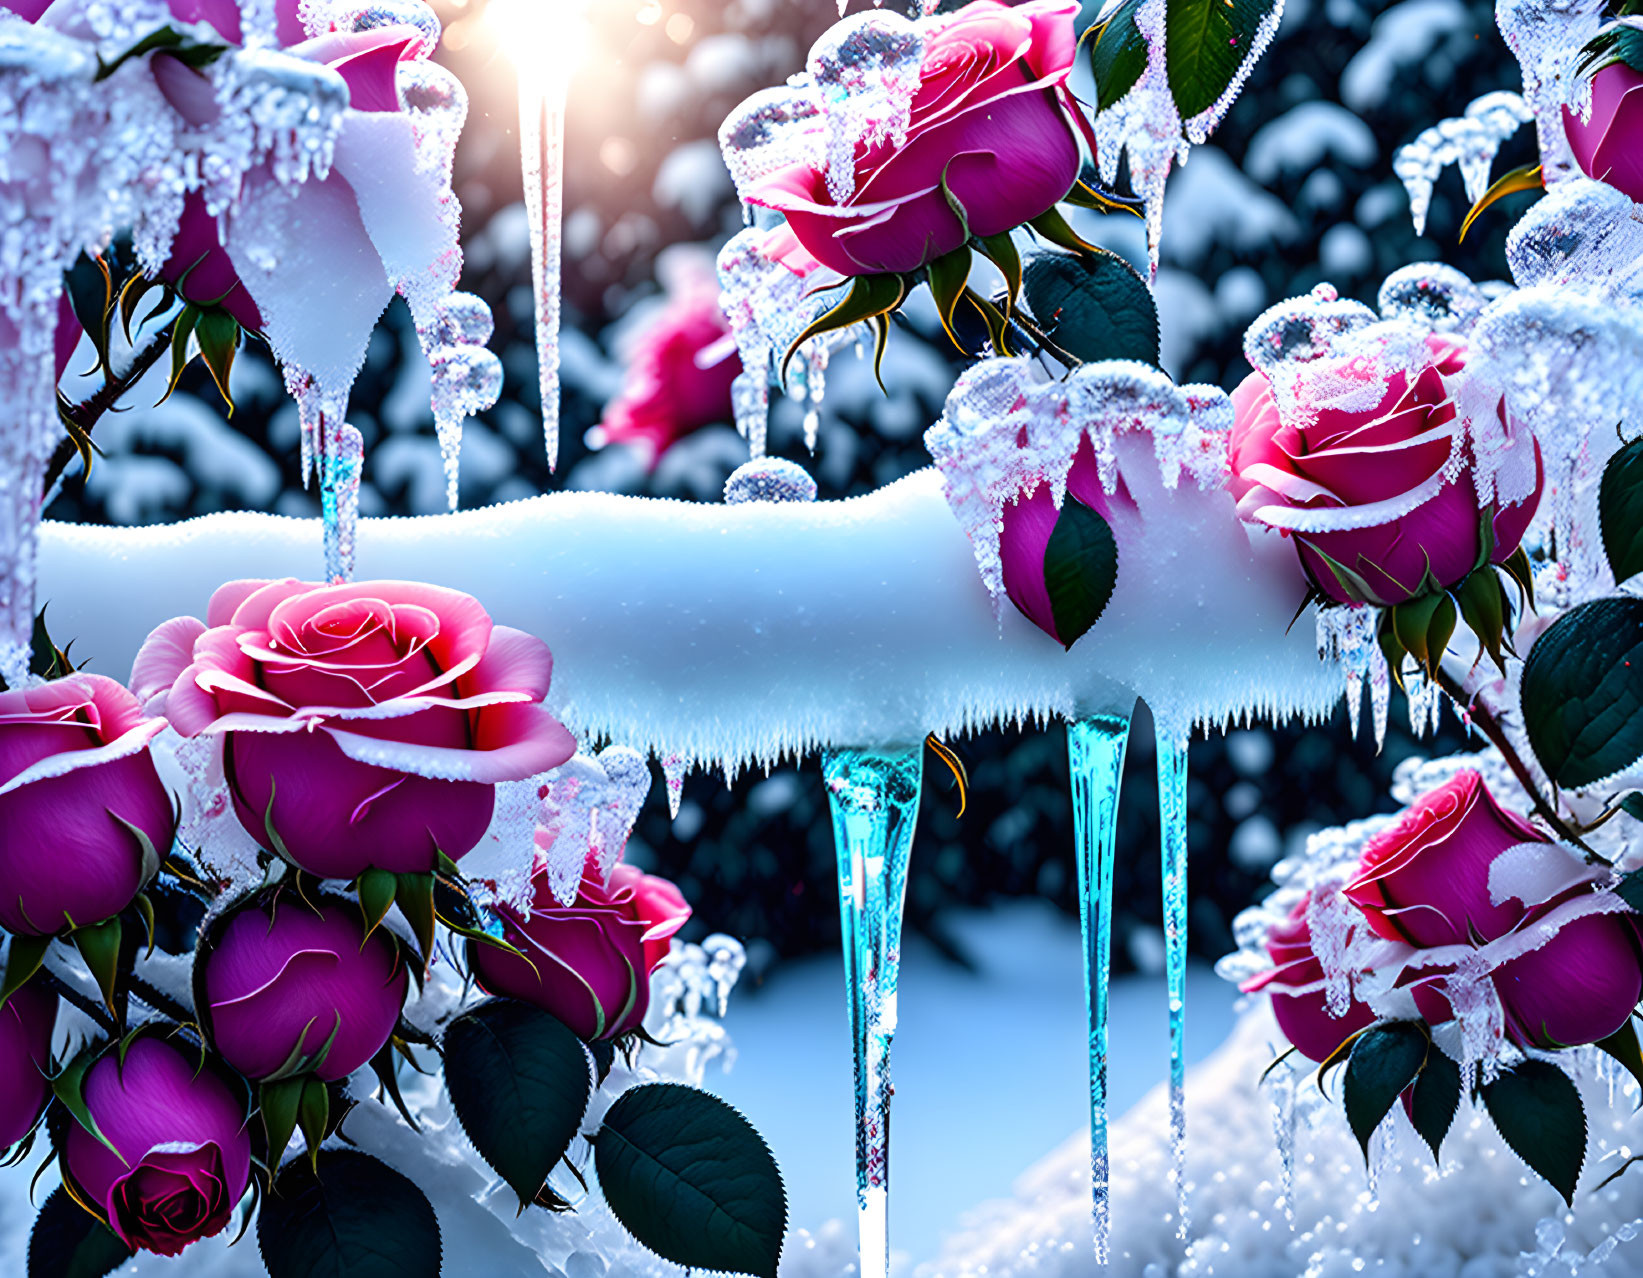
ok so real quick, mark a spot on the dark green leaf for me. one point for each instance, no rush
(1205, 42)
(69, 1242)
(692, 1180)
(1632, 805)
(1385, 1059)
(519, 1081)
(1622, 1046)
(1620, 510)
(1538, 1113)
(1094, 306)
(1118, 55)
(1582, 692)
(1435, 1099)
(354, 1218)
(185, 49)
(1080, 569)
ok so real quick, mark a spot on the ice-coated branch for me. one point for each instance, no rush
(734, 633)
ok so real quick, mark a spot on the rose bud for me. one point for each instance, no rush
(78, 798)
(1024, 544)
(175, 1156)
(1296, 983)
(589, 963)
(26, 1023)
(1361, 468)
(280, 981)
(363, 725)
(993, 122)
(1606, 145)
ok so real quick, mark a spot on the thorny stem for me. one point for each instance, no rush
(161, 1002)
(1043, 339)
(86, 414)
(1487, 724)
(69, 994)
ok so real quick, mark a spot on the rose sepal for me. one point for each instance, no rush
(25, 957)
(99, 946)
(870, 300)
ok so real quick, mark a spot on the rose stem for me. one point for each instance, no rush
(70, 995)
(1486, 723)
(86, 414)
(160, 1002)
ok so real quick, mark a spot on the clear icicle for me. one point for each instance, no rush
(542, 149)
(725, 960)
(340, 467)
(874, 796)
(1380, 694)
(674, 767)
(1470, 141)
(466, 380)
(1172, 820)
(1095, 759)
(1281, 1083)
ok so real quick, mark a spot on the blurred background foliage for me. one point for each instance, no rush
(1296, 188)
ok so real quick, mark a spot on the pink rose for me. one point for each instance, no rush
(1296, 983)
(1424, 880)
(76, 786)
(281, 980)
(992, 117)
(1607, 146)
(26, 1023)
(589, 962)
(1383, 470)
(1025, 537)
(364, 724)
(181, 1147)
(679, 375)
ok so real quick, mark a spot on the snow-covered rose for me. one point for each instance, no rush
(589, 963)
(1392, 513)
(1299, 1000)
(77, 785)
(175, 1157)
(1608, 146)
(364, 724)
(992, 117)
(1426, 880)
(26, 1022)
(281, 978)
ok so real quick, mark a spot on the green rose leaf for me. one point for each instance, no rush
(1620, 510)
(1094, 306)
(1118, 55)
(354, 1217)
(1583, 692)
(1435, 1099)
(1205, 42)
(1385, 1059)
(519, 1081)
(1538, 1113)
(692, 1180)
(69, 1242)
(1622, 1046)
(1080, 569)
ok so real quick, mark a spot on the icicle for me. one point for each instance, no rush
(874, 796)
(1095, 761)
(466, 380)
(725, 960)
(26, 443)
(542, 149)
(1172, 820)
(1281, 1081)
(674, 767)
(1469, 141)
(343, 459)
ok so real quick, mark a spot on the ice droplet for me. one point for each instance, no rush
(369, 15)
(769, 479)
(1432, 294)
(466, 380)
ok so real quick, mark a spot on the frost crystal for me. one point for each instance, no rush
(590, 805)
(1471, 141)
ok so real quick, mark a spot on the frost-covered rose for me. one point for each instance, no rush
(680, 369)
(589, 962)
(364, 724)
(1609, 145)
(76, 785)
(281, 978)
(992, 118)
(1427, 880)
(1389, 513)
(1025, 538)
(181, 1146)
(1296, 983)
(26, 1022)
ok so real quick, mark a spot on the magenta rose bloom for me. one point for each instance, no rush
(1382, 469)
(26, 1023)
(1028, 523)
(1607, 146)
(1296, 983)
(364, 724)
(1424, 880)
(679, 375)
(181, 1147)
(992, 115)
(76, 784)
(279, 979)
(589, 962)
